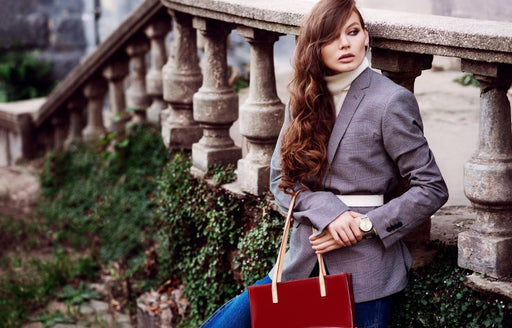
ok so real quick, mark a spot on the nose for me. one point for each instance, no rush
(343, 41)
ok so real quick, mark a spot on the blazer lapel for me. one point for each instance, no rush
(352, 100)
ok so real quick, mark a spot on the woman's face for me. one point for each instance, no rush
(347, 51)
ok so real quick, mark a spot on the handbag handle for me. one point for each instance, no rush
(282, 250)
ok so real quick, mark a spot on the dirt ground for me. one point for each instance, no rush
(19, 189)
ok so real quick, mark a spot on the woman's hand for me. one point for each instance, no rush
(324, 243)
(343, 231)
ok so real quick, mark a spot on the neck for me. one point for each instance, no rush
(341, 82)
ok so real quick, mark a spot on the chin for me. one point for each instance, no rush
(347, 68)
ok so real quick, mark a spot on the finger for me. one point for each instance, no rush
(348, 236)
(344, 237)
(325, 236)
(325, 244)
(321, 240)
(335, 235)
(315, 237)
(328, 249)
(356, 231)
(352, 238)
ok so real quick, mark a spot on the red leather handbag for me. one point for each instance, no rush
(326, 301)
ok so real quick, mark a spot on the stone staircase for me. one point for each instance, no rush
(196, 107)
(28, 129)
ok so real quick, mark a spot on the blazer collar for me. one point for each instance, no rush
(354, 96)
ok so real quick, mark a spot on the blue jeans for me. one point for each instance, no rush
(374, 314)
(236, 313)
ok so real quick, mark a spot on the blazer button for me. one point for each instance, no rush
(388, 229)
(399, 224)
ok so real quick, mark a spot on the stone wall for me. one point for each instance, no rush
(53, 27)
(62, 31)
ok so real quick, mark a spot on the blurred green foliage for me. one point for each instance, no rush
(23, 75)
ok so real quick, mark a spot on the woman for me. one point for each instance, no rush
(350, 136)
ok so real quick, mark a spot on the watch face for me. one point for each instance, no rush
(366, 225)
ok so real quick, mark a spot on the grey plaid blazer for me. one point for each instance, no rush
(377, 139)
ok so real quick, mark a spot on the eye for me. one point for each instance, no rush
(354, 32)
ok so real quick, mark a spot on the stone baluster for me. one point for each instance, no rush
(181, 79)
(94, 91)
(156, 32)
(137, 97)
(262, 115)
(76, 107)
(59, 126)
(403, 68)
(115, 72)
(215, 104)
(487, 246)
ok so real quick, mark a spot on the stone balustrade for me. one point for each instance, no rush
(196, 107)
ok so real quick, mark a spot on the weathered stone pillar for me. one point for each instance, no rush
(181, 79)
(215, 104)
(487, 246)
(115, 73)
(29, 148)
(156, 32)
(403, 68)
(76, 108)
(59, 126)
(137, 97)
(262, 115)
(94, 91)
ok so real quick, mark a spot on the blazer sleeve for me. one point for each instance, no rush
(317, 208)
(403, 140)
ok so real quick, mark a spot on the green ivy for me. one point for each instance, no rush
(222, 174)
(241, 82)
(436, 297)
(467, 80)
(198, 226)
(260, 244)
(212, 239)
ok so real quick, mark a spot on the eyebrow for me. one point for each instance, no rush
(354, 23)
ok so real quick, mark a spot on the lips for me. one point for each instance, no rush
(346, 58)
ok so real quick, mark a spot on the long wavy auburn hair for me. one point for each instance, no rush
(304, 142)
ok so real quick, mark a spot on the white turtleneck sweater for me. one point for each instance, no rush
(339, 84)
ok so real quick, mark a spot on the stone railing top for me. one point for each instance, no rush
(489, 41)
(483, 40)
(10, 112)
(278, 16)
(98, 58)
